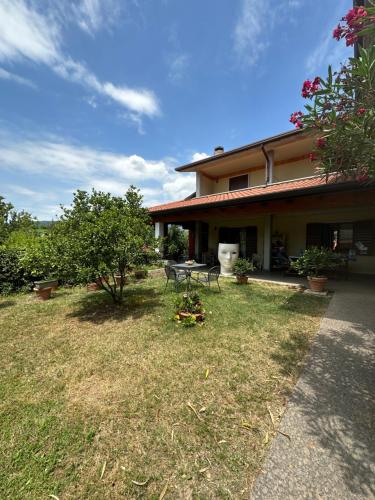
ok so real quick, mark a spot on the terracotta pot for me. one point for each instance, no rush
(101, 280)
(43, 293)
(46, 284)
(317, 284)
(118, 280)
(140, 274)
(242, 280)
(93, 287)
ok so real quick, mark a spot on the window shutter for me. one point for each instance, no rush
(364, 232)
(240, 182)
(318, 235)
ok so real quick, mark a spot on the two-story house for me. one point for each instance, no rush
(266, 194)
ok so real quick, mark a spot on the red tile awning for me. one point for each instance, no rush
(251, 194)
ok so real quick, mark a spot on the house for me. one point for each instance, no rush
(267, 194)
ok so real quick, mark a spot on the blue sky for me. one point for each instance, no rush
(108, 93)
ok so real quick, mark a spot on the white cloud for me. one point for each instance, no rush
(6, 75)
(25, 34)
(51, 161)
(178, 67)
(327, 52)
(75, 162)
(249, 39)
(254, 25)
(94, 15)
(199, 156)
(179, 187)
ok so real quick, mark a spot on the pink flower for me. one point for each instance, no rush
(350, 39)
(295, 119)
(309, 88)
(321, 142)
(355, 22)
(313, 157)
(361, 111)
(338, 32)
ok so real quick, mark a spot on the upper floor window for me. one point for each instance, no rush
(239, 182)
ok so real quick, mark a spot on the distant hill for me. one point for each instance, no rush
(44, 223)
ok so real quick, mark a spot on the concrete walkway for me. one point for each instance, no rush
(331, 415)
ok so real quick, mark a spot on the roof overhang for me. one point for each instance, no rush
(336, 187)
(286, 137)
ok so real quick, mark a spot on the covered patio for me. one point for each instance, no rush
(293, 215)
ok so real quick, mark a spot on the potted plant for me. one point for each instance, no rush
(314, 263)
(43, 293)
(125, 279)
(51, 283)
(241, 268)
(189, 309)
(140, 273)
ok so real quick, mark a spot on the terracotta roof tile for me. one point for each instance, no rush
(252, 192)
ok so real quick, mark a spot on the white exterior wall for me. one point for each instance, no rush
(295, 170)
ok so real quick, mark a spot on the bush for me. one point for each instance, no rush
(13, 276)
(242, 267)
(176, 243)
(315, 261)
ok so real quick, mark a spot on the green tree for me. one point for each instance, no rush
(101, 235)
(176, 243)
(11, 220)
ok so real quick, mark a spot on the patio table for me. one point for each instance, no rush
(188, 269)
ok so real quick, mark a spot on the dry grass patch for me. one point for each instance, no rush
(102, 401)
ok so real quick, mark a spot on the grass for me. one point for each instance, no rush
(101, 401)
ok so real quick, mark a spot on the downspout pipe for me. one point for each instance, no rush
(267, 163)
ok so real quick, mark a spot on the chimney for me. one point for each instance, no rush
(218, 150)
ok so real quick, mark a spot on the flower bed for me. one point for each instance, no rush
(189, 309)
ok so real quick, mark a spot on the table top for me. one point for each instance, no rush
(188, 266)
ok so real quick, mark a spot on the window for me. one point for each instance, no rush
(240, 182)
(343, 237)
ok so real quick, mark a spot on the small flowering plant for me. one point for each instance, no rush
(342, 107)
(189, 309)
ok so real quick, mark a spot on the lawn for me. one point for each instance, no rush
(102, 401)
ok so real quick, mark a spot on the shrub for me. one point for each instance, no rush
(12, 275)
(242, 267)
(314, 261)
(176, 243)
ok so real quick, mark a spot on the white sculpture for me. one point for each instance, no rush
(228, 254)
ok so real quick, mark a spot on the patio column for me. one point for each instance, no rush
(160, 232)
(198, 238)
(267, 241)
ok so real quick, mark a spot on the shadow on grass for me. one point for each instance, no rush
(6, 303)
(300, 303)
(290, 353)
(98, 307)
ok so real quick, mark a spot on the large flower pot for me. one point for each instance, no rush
(43, 293)
(125, 280)
(242, 280)
(228, 254)
(140, 274)
(103, 279)
(93, 287)
(317, 283)
(46, 284)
